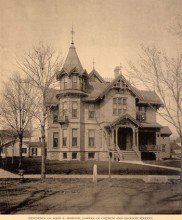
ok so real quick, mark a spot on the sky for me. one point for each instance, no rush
(108, 31)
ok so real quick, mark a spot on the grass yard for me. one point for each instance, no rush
(33, 166)
(168, 163)
(82, 196)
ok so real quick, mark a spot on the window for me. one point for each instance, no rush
(24, 150)
(74, 109)
(64, 137)
(55, 117)
(91, 155)
(121, 84)
(65, 82)
(119, 106)
(55, 139)
(74, 155)
(65, 108)
(163, 147)
(64, 155)
(74, 82)
(82, 84)
(34, 151)
(91, 111)
(91, 138)
(141, 113)
(74, 137)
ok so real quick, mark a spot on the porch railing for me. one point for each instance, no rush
(149, 147)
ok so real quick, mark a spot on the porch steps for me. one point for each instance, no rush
(129, 155)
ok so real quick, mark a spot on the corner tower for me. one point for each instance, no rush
(72, 76)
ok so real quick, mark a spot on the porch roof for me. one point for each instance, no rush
(151, 125)
(121, 118)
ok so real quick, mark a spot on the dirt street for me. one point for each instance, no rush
(81, 196)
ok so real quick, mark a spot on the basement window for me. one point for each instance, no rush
(91, 155)
(74, 156)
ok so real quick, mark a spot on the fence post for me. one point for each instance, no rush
(95, 173)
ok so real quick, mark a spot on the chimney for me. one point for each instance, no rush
(117, 71)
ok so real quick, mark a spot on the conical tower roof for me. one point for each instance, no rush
(72, 61)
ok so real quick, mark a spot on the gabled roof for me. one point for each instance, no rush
(111, 84)
(121, 118)
(97, 75)
(144, 97)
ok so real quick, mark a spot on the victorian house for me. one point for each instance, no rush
(91, 118)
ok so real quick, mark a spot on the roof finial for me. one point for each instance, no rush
(72, 33)
(93, 64)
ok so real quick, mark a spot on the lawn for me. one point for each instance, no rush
(82, 196)
(33, 166)
(170, 162)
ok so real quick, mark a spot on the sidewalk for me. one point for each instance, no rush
(7, 175)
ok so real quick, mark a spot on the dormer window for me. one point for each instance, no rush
(65, 82)
(74, 82)
(82, 82)
(141, 113)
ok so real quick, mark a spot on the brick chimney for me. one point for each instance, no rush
(117, 71)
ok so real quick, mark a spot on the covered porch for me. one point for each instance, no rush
(126, 136)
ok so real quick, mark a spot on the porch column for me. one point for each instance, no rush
(137, 138)
(116, 136)
(133, 129)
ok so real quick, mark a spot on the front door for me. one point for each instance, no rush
(125, 138)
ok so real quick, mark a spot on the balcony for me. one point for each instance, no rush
(148, 148)
(63, 119)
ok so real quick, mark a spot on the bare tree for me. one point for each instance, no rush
(163, 74)
(17, 107)
(176, 27)
(41, 66)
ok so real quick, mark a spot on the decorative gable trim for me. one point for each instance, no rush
(123, 118)
(114, 82)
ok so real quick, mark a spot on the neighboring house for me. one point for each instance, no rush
(11, 147)
(176, 149)
(91, 118)
(35, 149)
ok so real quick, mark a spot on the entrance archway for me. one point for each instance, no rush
(125, 138)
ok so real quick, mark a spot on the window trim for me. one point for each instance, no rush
(64, 146)
(74, 138)
(53, 140)
(73, 102)
(91, 109)
(91, 140)
(119, 106)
